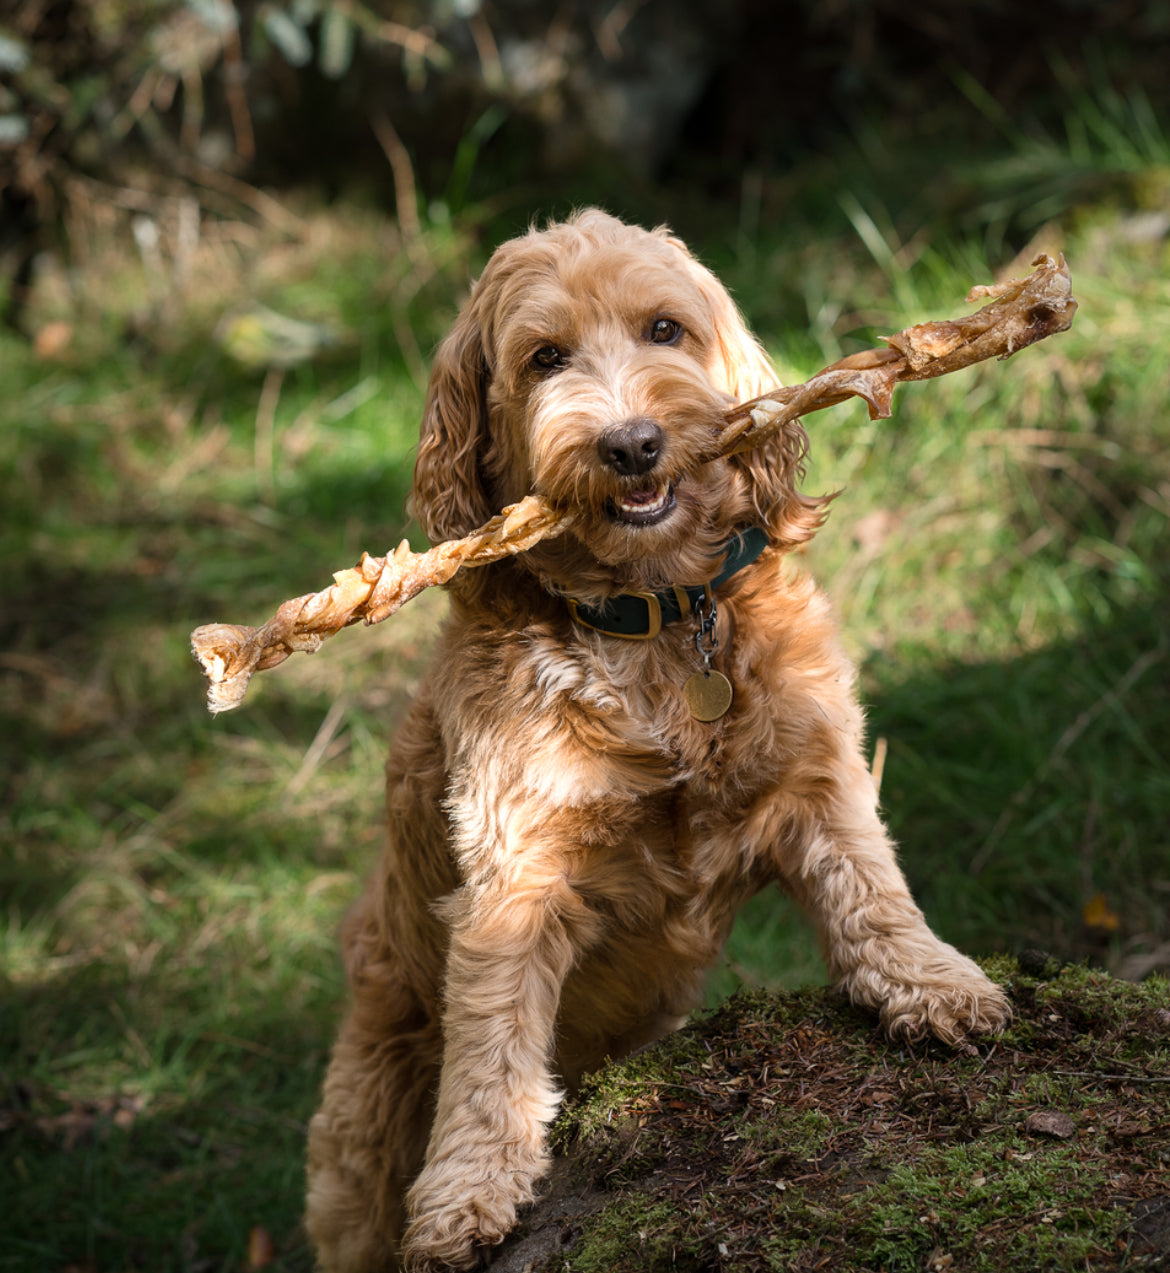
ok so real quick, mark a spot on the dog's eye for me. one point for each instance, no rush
(664, 331)
(549, 358)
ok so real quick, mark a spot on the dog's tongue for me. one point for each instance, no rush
(646, 496)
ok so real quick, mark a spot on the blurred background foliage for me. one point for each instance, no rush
(230, 236)
(160, 107)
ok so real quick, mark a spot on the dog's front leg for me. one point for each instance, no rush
(510, 952)
(838, 861)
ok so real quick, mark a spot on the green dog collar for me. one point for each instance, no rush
(638, 616)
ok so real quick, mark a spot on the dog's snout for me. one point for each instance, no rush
(631, 448)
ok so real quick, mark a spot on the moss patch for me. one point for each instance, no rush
(786, 1133)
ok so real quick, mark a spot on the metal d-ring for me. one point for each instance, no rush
(706, 637)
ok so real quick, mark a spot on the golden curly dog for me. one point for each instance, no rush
(626, 733)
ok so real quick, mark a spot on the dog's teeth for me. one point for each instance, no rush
(645, 507)
(640, 504)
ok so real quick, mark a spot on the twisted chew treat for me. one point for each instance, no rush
(371, 591)
(1021, 312)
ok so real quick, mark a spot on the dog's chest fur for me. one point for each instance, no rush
(598, 726)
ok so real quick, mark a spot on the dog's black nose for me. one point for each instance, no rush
(631, 448)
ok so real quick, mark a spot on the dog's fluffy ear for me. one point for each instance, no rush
(744, 368)
(448, 496)
(747, 368)
(773, 471)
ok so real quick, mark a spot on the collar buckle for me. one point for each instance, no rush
(649, 628)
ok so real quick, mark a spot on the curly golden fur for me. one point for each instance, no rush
(568, 847)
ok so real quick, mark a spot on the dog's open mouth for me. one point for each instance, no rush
(645, 506)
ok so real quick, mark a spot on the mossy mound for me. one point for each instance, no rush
(786, 1133)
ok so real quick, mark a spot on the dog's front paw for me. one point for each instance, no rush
(946, 994)
(456, 1221)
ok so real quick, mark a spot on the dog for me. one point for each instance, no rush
(626, 732)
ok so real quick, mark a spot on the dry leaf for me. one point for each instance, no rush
(1049, 1122)
(53, 339)
(261, 1249)
(871, 531)
(1097, 914)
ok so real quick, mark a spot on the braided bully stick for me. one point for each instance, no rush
(1019, 313)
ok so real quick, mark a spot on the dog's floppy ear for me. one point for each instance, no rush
(449, 497)
(747, 369)
(744, 369)
(774, 470)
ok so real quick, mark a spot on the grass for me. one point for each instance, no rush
(1031, 658)
(172, 883)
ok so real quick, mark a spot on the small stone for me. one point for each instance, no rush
(1050, 1122)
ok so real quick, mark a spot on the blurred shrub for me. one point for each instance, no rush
(126, 103)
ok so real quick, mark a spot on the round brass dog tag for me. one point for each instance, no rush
(708, 695)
